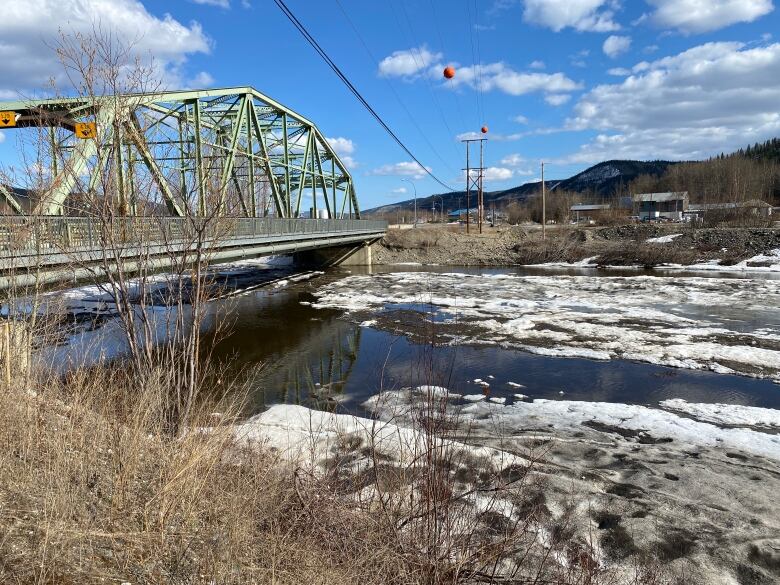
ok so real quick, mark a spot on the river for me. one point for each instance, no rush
(335, 340)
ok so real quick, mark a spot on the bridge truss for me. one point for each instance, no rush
(231, 151)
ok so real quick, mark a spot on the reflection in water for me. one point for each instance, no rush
(306, 356)
(293, 353)
(318, 357)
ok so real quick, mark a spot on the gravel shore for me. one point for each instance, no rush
(625, 245)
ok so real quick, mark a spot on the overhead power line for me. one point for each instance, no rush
(321, 52)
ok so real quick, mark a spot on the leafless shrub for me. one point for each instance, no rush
(648, 255)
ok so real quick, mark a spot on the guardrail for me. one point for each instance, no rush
(21, 236)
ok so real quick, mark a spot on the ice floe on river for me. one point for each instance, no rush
(724, 325)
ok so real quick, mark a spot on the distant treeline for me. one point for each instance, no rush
(750, 173)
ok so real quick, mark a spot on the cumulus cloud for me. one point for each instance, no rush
(217, 3)
(400, 190)
(344, 148)
(201, 80)
(582, 15)
(415, 63)
(520, 119)
(696, 16)
(28, 28)
(408, 63)
(513, 160)
(501, 77)
(537, 65)
(493, 174)
(402, 169)
(711, 98)
(557, 100)
(616, 45)
(619, 72)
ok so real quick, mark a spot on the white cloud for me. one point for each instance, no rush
(619, 72)
(408, 63)
(582, 15)
(520, 119)
(344, 148)
(709, 99)
(557, 99)
(217, 3)
(28, 29)
(494, 137)
(492, 174)
(503, 78)
(498, 174)
(537, 65)
(400, 190)
(513, 160)
(700, 16)
(202, 80)
(402, 169)
(616, 45)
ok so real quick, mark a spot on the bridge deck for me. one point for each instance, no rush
(51, 243)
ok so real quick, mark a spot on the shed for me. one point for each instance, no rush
(671, 205)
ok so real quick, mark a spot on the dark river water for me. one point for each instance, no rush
(294, 353)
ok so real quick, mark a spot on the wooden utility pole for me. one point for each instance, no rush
(481, 204)
(468, 188)
(544, 207)
(475, 182)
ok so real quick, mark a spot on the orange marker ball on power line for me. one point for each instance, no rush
(449, 72)
(484, 129)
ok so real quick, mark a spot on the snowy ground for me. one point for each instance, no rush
(635, 481)
(724, 325)
(768, 263)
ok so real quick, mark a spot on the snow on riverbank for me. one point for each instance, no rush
(300, 434)
(694, 323)
(663, 239)
(726, 414)
(768, 263)
(553, 417)
(660, 478)
(655, 423)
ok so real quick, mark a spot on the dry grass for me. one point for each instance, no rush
(92, 491)
(420, 238)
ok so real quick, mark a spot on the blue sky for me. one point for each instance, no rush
(571, 82)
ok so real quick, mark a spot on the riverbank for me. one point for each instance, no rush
(645, 495)
(632, 245)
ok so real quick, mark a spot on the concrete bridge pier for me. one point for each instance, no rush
(350, 255)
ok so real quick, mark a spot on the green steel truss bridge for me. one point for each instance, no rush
(169, 159)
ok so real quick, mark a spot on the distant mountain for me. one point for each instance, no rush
(605, 179)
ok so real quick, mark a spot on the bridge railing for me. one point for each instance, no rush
(25, 235)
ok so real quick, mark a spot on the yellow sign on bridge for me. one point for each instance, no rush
(7, 119)
(85, 130)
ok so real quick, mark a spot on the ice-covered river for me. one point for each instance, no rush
(588, 336)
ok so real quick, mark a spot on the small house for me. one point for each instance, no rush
(586, 212)
(671, 205)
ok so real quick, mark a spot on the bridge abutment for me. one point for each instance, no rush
(352, 255)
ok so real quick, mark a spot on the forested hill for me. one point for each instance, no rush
(749, 173)
(765, 151)
(601, 180)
